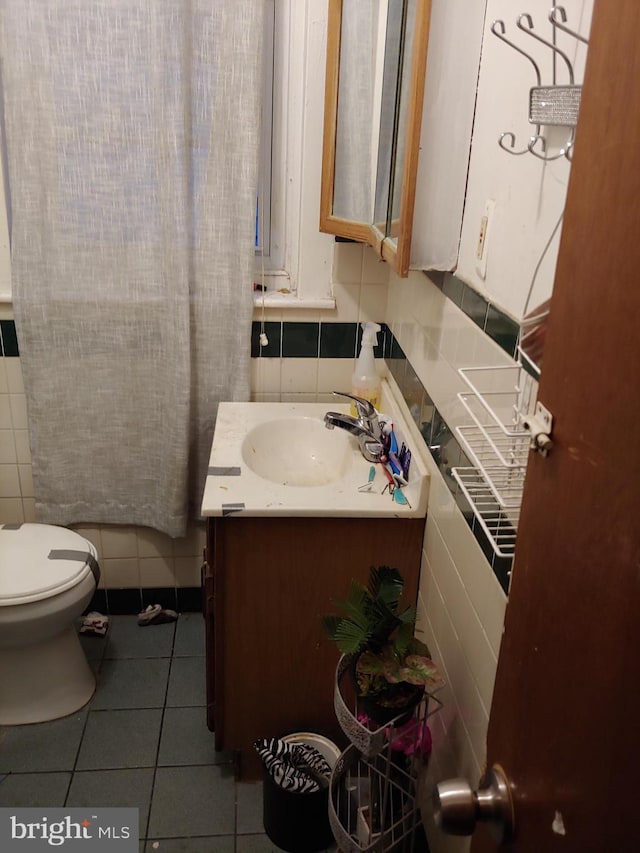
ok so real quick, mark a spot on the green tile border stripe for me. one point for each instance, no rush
(308, 338)
(494, 322)
(8, 339)
(297, 339)
(313, 340)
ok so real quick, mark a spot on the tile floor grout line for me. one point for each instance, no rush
(164, 706)
(99, 662)
(190, 645)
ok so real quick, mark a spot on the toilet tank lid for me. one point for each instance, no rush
(41, 560)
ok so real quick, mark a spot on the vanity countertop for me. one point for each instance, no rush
(306, 469)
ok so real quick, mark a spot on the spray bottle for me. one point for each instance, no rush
(365, 381)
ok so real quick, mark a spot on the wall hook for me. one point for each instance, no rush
(511, 143)
(529, 31)
(558, 11)
(548, 104)
(498, 29)
(544, 156)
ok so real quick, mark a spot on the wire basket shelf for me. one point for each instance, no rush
(490, 445)
(504, 393)
(372, 803)
(497, 443)
(500, 523)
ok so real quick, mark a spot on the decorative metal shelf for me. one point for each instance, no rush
(372, 803)
(373, 792)
(550, 104)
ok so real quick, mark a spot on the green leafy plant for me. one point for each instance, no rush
(391, 665)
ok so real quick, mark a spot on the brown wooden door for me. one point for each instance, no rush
(565, 719)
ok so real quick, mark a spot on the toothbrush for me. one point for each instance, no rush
(399, 498)
(394, 462)
(391, 483)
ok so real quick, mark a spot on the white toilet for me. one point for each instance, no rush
(48, 576)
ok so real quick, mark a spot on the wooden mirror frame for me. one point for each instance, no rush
(397, 253)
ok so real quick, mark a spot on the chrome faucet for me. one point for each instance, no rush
(366, 427)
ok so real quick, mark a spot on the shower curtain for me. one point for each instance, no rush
(132, 133)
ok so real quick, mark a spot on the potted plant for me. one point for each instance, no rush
(391, 668)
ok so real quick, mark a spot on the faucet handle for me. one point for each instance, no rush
(364, 408)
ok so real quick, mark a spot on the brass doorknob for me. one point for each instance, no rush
(458, 808)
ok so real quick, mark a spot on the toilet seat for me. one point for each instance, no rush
(29, 571)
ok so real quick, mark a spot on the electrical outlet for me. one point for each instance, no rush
(482, 249)
(483, 233)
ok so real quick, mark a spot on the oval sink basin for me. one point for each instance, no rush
(297, 451)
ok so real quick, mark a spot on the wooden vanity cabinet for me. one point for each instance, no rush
(270, 669)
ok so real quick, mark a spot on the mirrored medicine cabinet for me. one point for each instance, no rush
(376, 60)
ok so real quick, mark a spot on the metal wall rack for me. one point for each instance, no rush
(549, 105)
(501, 404)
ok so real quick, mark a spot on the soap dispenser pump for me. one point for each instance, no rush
(365, 381)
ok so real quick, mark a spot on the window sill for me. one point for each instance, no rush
(291, 301)
(6, 306)
(286, 301)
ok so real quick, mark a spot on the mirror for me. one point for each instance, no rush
(376, 60)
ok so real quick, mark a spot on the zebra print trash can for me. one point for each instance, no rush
(299, 822)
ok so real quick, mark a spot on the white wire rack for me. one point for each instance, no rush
(499, 523)
(488, 442)
(496, 409)
(498, 443)
(505, 479)
(505, 392)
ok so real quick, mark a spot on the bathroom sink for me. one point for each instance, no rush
(279, 459)
(297, 451)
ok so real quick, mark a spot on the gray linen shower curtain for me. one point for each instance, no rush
(132, 133)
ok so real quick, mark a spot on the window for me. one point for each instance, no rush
(297, 256)
(263, 204)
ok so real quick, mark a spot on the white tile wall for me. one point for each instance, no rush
(16, 484)
(133, 557)
(461, 604)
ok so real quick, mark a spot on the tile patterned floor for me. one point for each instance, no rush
(142, 741)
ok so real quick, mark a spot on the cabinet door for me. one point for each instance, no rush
(447, 122)
(274, 579)
(208, 583)
(374, 88)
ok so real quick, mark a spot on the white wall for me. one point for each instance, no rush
(5, 257)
